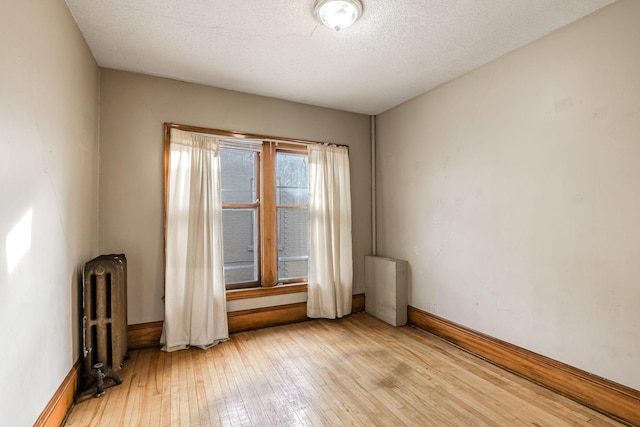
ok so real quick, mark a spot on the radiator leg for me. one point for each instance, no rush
(115, 377)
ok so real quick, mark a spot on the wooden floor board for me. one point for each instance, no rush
(354, 371)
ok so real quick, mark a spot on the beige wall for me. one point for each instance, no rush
(133, 110)
(49, 89)
(514, 193)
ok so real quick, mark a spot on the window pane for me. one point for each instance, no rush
(293, 251)
(239, 227)
(238, 175)
(292, 180)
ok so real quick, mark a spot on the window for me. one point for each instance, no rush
(292, 199)
(264, 189)
(264, 213)
(239, 182)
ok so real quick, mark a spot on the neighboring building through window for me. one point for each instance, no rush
(292, 200)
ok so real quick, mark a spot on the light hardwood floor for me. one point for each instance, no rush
(353, 371)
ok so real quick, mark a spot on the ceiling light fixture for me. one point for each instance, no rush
(337, 14)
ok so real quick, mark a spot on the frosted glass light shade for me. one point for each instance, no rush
(337, 14)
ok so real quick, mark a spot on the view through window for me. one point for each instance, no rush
(265, 214)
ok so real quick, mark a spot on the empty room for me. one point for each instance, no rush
(320, 212)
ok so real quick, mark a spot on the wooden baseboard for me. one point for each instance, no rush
(58, 407)
(598, 393)
(256, 318)
(357, 303)
(148, 334)
(144, 335)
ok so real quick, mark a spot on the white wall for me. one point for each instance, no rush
(514, 193)
(49, 88)
(133, 110)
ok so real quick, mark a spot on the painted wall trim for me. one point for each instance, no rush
(616, 400)
(148, 334)
(56, 410)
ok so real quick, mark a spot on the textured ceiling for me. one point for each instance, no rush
(396, 51)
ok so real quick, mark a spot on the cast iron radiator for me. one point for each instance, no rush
(104, 320)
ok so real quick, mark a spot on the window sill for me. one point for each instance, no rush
(265, 292)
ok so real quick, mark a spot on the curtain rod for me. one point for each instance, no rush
(243, 135)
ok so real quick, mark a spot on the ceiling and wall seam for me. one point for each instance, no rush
(394, 52)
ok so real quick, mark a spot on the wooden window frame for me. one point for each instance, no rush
(267, 215)
(269, 232)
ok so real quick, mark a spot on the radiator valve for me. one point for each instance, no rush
(98, 375)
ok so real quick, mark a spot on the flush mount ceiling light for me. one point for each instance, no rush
(337, 14)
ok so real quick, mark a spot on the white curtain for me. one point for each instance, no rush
(195, 301)
(330, 259)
